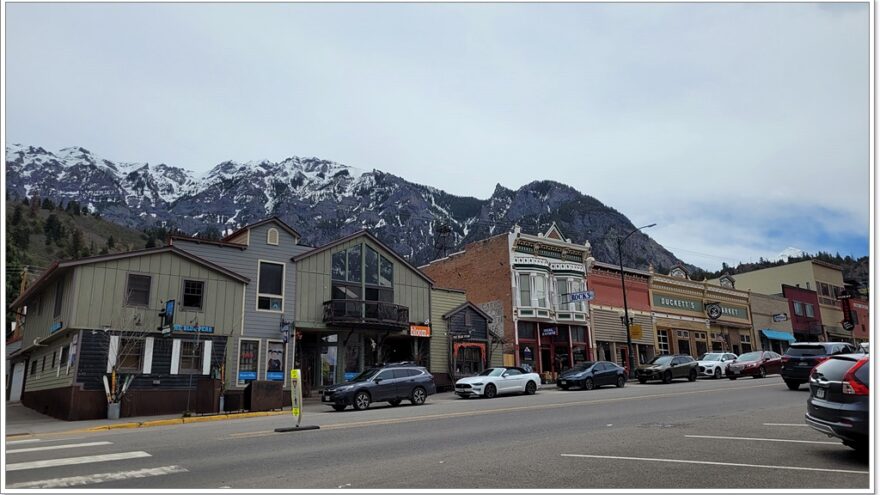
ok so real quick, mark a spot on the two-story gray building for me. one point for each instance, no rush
(88, 316)
(261, 251)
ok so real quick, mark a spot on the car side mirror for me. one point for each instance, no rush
(377, 380)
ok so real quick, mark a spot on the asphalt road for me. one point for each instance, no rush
(747, 434)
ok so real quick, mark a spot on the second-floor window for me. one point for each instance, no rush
(809, 310)
(533, 290)
(798, 308)
(193, 294)
(138, 290)
(59, 297)
(270, 289)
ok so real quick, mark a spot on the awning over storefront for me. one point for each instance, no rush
(777, 335)
(838, 333)
(699, 326)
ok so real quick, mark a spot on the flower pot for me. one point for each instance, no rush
(113, 410)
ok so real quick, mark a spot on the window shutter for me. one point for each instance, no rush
(206, 358)
(148, 355)
(175, 356)
(111, 352)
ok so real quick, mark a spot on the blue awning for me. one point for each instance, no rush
(777, 335)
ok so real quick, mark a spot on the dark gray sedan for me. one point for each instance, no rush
(589, 375)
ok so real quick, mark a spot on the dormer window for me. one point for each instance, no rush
(272, 237)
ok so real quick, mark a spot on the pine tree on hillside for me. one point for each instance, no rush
(48, 204)
(53, 229)
(76, 245)
(111, 242)
(17, 215)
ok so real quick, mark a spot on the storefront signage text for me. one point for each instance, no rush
(678, 303)
(247, 375)
(191, 328)
(548, 331)
(735, 312)
(780, 317)
(419, 331)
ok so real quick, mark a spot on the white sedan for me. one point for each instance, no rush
(714, 364)
(494, 381)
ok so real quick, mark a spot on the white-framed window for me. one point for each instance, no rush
(270, 286)
(525, 289)
(137, 290)
(190, 362)
(533, 289)
(663, 342)
(248, 361)
(798, 308)
(131, 355)
(540, 285)
(745, 338)
(682, 333)
(193, 295)
(809, 310)
(272, 236)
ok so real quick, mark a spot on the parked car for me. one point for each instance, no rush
(756, 364)
(714, 364)
(668, 367)
(865, 347)
(494, 381)
(589, 375)
(839, 402)
(802, 357)
(390, 383)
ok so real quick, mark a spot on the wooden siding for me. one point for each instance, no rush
(314, 283)
(607, 326)
(55, 376)
(100, 294)
(93, 363)
(39, 320)
(257, 324)
(442, 302)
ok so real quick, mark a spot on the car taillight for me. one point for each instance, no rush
(851, 385)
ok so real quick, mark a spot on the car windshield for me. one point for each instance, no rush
(492, 372)
(661, 360)
(806, 350)
(710, 357)
(365, 375)
(584, 366)
(750, 356)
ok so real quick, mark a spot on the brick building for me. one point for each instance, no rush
(530, 277)
(806, 315)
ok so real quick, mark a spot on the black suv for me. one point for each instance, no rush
(839, 402)
(666, 367)
(390, 383)
(802, 357)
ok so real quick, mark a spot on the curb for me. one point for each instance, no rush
(165, 422)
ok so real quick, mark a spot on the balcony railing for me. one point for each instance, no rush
(369, 313)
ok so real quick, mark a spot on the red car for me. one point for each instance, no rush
(757, 364)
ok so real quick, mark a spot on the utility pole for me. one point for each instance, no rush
(629, 345)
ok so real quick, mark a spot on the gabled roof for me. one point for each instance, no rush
(290, 230)
(196, 240)
(368, 235)
(554, 233)
(467, 304)
(59, 267)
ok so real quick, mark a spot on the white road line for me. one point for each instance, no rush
(684, 461)
(99, 478)
(76, 460)
(54, 447)
(763, 439)
(29, 440)
(785, 424)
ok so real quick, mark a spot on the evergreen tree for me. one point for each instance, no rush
(17, 215)
(52, 228)
(75, 248)
(151, 242)
(111, 243)
(21, 237)
(48, 204)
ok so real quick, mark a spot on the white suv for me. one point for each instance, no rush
(714, 364)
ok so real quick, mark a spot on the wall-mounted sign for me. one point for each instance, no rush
(55, 327)
(191, 328)
(635, 331)
(735, 312)
(527, 353)
(275, 362)
(848, 326)
(420, 331)
(713, 310)
(780, 317)
(664, 301)
(247, 375)
(586, 295)
(545, 332)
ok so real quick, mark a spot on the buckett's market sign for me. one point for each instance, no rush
(697, 306)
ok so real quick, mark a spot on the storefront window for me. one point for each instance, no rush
(527, 354)
(275, 361)
(578, 334)
(579, 354)
(328, 360)
(604, 351)
(249, 350)
(469, 361)
(526, 330)
(561, 335)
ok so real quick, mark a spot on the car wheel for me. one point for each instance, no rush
(418, 396)
(667, 377)
(395, 402)
(531, 388)
(490, 391)
(762, 373)
(361, 401)
(792, 385)
(588, 384)
(717, 373)
(621, 381)
(337, 407)
(692, 376)
(643, 380)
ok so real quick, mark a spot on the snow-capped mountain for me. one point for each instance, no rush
(790, 252)
(323, 200)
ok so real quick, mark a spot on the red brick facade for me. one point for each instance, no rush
(806, 328)
(609, 292)
(860, 318)
(483, 272)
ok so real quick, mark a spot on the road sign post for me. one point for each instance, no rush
(296, 403)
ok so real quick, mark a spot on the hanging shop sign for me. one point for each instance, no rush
(193, 328)
(780, 317)
(546, 332)
(419, 331)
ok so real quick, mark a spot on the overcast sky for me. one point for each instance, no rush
(741, 129)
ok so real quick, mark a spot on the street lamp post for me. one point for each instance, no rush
(629, 344)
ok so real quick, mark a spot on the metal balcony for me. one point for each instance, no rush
(372, 314)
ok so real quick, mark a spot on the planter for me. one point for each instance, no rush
(113, 410)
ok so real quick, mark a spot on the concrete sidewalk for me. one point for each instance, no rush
(23, 421)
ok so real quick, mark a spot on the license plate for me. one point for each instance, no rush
(562, 382)
(820, 393)
(325, 398)
(736, 372)
(804, 363)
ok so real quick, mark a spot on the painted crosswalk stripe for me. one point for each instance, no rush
(67, 461)
(99, 478)
(55, 447)
(17, 442)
